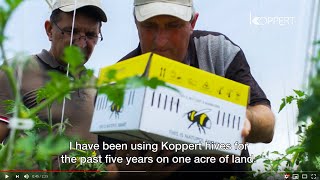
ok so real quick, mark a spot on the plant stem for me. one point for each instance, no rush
(81, 151)
(10, 75)
(3, 55)
(6, 15)
(52, 98)
(44, 104)
(50, 131)
(50, 119)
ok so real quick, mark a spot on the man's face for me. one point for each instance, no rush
(165, 35)
(84, 26)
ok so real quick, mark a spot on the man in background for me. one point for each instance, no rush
(86, 34)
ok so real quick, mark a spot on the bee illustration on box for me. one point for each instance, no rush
(116, 109)
(201, 118)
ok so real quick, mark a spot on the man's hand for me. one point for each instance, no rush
(4, 131)
(246, 128)
(259, 124)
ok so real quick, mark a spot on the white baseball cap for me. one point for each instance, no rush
(145, 9)
(71, 5)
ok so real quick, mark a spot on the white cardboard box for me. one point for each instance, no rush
(206, 109)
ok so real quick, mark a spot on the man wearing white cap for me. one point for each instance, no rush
(86, 34)
(166, 27)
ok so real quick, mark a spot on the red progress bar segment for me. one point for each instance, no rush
(4, 119)
(67, 171)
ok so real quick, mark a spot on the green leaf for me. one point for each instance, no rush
(15, 3)
(299, 93)
(51, 146)
(299, 130)
(3, 154)
(316, 42)
(289, 99)
(267, 161)
(135, 82)
(2, 38)
(295, 149)
(26, 144)
(276, 152)
(75, 58)
(9, 106)
(316, 162)
(283, 104)
(154, 82)
(42, 125)
(257, 158)
(59, 83)
(111, 74)
(114, 92)
(299, 102)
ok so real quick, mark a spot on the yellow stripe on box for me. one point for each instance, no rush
(183, 75)
(174, 72)
(128, 68)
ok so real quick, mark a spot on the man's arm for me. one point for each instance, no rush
(260, 119)
(3, 131)
(5, 94)
(262, 123)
